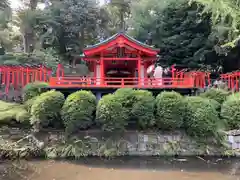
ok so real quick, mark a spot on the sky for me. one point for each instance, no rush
(16, 3)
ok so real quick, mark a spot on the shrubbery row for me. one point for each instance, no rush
(198, 115)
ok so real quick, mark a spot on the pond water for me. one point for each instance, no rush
(127, 168)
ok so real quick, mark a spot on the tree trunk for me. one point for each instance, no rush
(122, 22)
(28, 42)
(29, 35)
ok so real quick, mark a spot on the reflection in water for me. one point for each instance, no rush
(135, 169)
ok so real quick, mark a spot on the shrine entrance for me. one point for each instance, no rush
(121, 71)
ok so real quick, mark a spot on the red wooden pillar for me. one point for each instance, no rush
(58, 71)
(232, 81)
(94, 73)
(27, 75)
(49, 74)
(139, 70)
(102, 74)
(44, 74)
(7, 81)
(13, 77)
(236, 80)
(3, 75)
(203, 79)
(173, 70)
(17, 78)
(22, 77)
(40, 73)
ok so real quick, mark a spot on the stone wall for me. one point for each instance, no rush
(129, 143)
(234, 139)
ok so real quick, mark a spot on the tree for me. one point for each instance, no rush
(144, 16)
(177, 29)
(225, 18)
(122, 9)
(5, 29)
(27, 20)
(184, 35)
(69, 25)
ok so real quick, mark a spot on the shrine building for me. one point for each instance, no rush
(120, 62)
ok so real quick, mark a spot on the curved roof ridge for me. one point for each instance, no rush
(117, 35)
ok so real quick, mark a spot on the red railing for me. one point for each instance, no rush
(232, 80)
(70, 82)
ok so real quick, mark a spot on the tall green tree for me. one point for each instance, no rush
(27, 20)
(225, 18)
(184, 35)
(69, 25)
(5, 29)
(178, 29)
(122, 9)
(225, 21)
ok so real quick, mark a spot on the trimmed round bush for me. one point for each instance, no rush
(126, 96)
(111, 115)
(230, 111)
(138, 106)
(78, 111)
(215, 104)
(34, 89)
(28, 104)
(46, 108)
(201, 119)
(143, 108)
(218, 95)
(168, 111)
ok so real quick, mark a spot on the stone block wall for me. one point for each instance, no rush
(129, 143)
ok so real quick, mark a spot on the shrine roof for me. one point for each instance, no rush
(125, 37)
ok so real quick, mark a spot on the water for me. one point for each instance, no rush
(127, 168)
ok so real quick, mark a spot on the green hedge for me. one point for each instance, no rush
(78, 111)
(126, 96)
(28, 104)
(138, 105)
(216, 105)
(23, 117)
(34, 89)
(10, 112)
(230, 111)
(218, 95)
(168, 111)
(200, 117)
(46, 108)
(111, 115)
(142, 110)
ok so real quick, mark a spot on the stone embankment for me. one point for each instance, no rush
(21, 143)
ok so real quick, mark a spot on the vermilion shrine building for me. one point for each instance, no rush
(119, 62)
